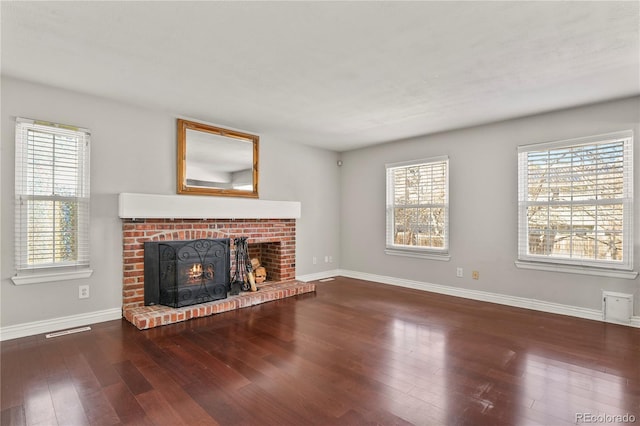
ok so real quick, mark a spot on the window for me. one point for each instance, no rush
(576, 202)
(418, 208)
(52, 200)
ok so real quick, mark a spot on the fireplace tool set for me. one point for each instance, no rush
(244, 278)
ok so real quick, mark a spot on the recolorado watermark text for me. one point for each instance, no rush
(604, 418)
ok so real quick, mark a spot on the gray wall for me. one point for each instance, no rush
(483, 203)
(343, 209)
(134, 150)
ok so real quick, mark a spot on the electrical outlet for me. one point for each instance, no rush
(475, 275)
(326, 259)
(330, 259)
(83, 292)
(315, 260)
(459, 272)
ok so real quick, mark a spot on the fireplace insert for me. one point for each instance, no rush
(182, 273)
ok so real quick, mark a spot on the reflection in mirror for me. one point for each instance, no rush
(217, 161)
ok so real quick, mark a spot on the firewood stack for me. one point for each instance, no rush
(259, 272)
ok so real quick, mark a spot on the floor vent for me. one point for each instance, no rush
(65, 332)
(617, 307)
(326, 280)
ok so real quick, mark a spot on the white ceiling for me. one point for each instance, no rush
(338, 75)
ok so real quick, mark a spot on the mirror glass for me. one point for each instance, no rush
(216, 161)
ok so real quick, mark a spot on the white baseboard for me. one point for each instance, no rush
(55, 324)
(47, 326)
(502, 299)
(318, 276)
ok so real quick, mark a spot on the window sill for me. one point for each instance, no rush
(584, 270)
(445, 257)
(36, 278)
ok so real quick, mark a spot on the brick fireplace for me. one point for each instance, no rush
(271, 240)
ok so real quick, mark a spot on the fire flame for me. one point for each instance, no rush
(196, 270)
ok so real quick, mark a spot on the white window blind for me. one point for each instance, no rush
(576, 201)
(418, 206)
(51, 197)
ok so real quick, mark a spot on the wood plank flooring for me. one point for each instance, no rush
(353, 353)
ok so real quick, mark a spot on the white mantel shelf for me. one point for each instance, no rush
(153, 206)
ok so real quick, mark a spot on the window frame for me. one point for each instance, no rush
(432, 253)
(527, 260)
(27, 272)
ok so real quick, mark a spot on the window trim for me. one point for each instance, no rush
(80, 268)
(47, 277)
(622, 269)
(573, 269)
(430, 253)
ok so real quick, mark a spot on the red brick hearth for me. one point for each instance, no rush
(145, 317)
(273, 240)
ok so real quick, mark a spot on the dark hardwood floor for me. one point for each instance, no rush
(354, 353)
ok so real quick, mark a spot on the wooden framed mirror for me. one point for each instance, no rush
(216, 161)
